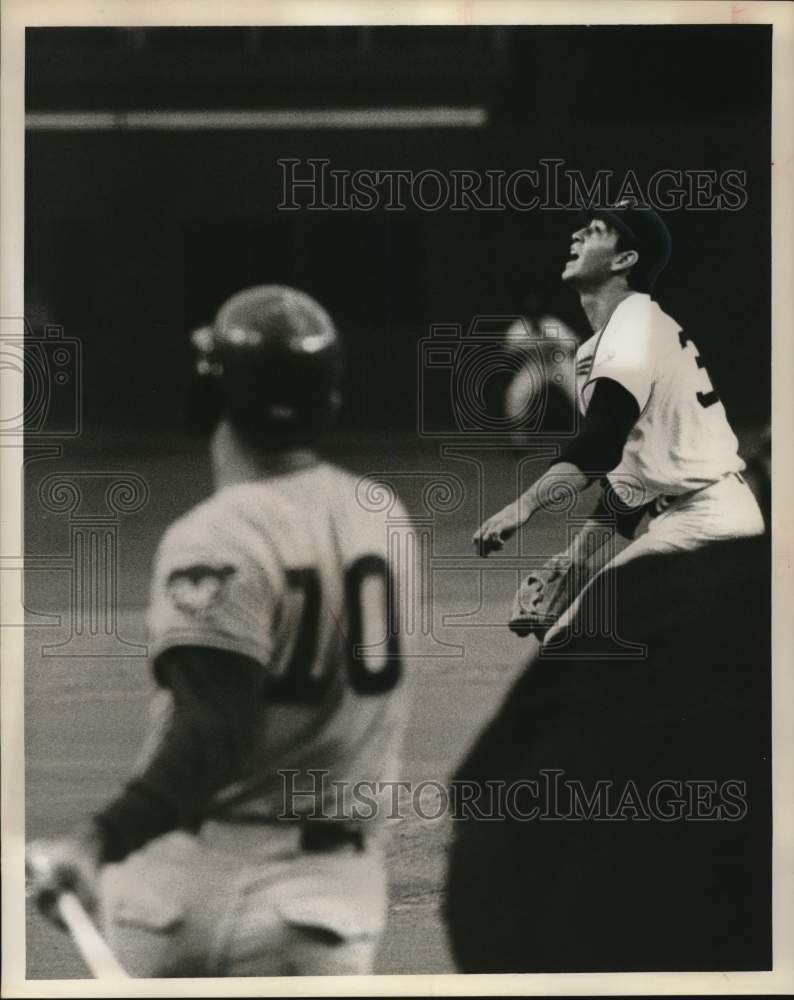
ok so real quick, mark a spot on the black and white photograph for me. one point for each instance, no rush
(389, 545)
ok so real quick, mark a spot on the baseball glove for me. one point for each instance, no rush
(542, 598)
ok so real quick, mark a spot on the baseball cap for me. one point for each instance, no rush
(645, 230)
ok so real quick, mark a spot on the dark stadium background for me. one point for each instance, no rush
(132, 238)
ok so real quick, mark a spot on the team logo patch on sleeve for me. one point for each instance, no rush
(196, 589)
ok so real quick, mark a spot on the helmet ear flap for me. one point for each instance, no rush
(202, 341)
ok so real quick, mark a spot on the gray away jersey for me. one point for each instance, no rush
(293, 571)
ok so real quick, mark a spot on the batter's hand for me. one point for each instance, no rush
(69, 864)
(496, 530)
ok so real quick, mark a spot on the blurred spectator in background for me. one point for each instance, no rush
(541, 396)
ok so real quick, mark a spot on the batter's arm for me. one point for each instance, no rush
(217, 698)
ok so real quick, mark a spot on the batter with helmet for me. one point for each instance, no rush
(654, 430)
(241, 845)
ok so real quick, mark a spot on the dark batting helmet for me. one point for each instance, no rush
(270, 363)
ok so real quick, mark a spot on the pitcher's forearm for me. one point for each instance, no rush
(563, 475)
(495, 530)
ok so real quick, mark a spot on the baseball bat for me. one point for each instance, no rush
(93, 948)
(90, 944)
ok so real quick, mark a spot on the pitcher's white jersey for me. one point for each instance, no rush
(293, 572)
(682, 440)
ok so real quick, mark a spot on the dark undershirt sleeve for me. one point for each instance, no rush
(217, 698)
(612, 413)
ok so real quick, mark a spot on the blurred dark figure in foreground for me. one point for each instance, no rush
(679, 878)
(759, 472)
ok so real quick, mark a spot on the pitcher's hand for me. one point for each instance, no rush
(494, 532)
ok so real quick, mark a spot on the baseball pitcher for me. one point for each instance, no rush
(654, 430)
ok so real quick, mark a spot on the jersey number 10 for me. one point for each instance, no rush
(296, 683)
(704, 398)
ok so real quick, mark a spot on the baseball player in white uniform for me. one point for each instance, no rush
(654, 430)
(249, 841)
